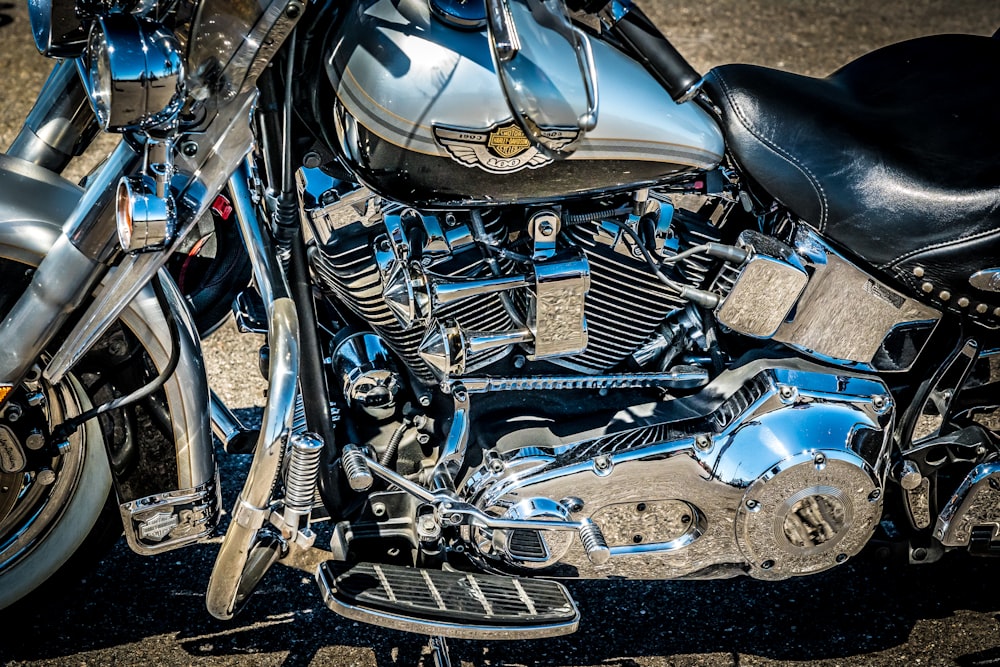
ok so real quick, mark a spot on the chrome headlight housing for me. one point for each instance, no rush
(135, 73)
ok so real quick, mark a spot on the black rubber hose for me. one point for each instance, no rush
(312, 375)
(657, 53)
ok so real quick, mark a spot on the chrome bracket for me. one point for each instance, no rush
(975, 504)
(172, 520)
(453, 452)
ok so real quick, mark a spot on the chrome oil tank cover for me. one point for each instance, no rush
(465, 14)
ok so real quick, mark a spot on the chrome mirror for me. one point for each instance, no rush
(547, 72)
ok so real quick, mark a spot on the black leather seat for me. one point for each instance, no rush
(896, 156)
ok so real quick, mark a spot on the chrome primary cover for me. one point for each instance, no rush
(775, 470)
(420, 114)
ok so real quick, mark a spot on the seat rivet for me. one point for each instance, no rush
(918, 272)
(927, 287)
(944, 295)
(982, 308)
(963, 302)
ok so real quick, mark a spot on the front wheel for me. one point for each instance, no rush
(52, 500)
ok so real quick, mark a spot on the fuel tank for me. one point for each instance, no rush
(420, 115)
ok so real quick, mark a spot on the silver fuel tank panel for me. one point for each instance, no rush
(420, 114)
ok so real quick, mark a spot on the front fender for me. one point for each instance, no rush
(164, 506)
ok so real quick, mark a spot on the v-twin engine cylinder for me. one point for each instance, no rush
(776, 469)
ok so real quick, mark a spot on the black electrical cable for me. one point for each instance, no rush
(63, 430)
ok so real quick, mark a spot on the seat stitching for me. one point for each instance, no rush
(785, 155)
(934, 246)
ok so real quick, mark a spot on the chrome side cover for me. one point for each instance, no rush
(776, 469)
(817, 302)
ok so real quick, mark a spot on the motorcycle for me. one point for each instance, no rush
(540, 302)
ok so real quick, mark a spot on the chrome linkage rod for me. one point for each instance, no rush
(451, 511)
(689, 378)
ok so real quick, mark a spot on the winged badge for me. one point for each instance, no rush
(500, 149)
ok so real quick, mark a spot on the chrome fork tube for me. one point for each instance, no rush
(67, 274)
(252, 510)
(61, 122)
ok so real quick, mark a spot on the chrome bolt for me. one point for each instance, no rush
(496, 466)
(841, 558)
(378, 509)
(703, 442)
(520, 361)
(428, 528)
(879, 402)
(293, 11)
(546, 228)
(423, 438)
(424, 400)
(874, 495)
(455, 518)
(311, 160)
(753, 505)
(45, 477)
(35, 440)
(910, 477)
(13, 412)
(189, 148)
(572, 504)
(819, 460)
(602, 462)
(767, 565)
(787, 393)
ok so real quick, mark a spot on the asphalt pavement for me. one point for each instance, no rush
(150, 611)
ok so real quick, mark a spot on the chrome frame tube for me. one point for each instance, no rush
(224, 145)
(61, 121)
(252, 508)
(227, 427)
(65, 277)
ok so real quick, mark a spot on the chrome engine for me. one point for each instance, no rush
(422, 282)
(767, 467)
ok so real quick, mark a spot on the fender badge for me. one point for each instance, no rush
(158, 526)
(500, 149)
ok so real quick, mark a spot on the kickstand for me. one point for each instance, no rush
(439, 652)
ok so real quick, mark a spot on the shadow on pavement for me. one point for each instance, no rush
(5, 19)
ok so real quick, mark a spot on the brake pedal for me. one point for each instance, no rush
(448, 604)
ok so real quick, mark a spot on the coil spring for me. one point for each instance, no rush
(301, 474)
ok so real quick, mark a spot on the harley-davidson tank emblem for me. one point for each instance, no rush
(508, 141)
(500, 149)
